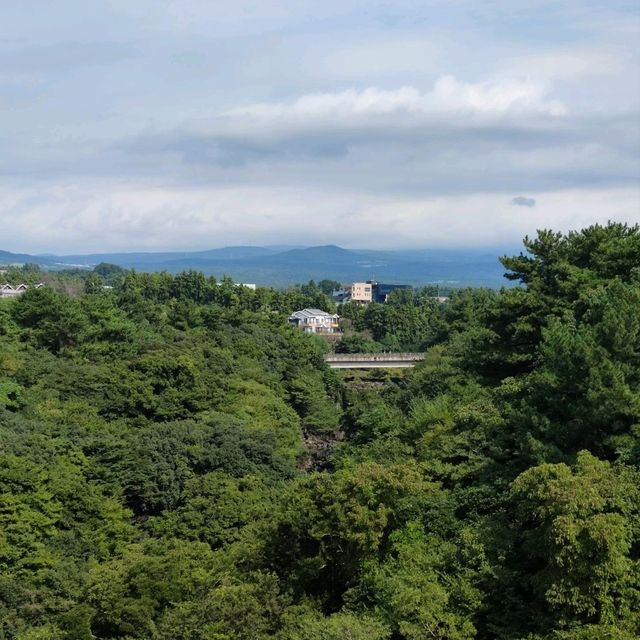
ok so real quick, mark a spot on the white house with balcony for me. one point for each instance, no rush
(315, 321)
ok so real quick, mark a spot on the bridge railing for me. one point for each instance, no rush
(373, 357)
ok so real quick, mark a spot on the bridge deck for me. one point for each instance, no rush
(372, 360)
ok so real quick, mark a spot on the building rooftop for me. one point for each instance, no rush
(313, 312)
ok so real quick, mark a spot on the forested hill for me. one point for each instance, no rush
(160, 474)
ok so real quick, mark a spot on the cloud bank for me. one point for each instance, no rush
(177, 125)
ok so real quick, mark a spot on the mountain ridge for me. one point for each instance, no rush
(280, 266)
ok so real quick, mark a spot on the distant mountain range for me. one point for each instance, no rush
(282, 265)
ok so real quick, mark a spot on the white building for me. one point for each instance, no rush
(315, 321)
(9, 291)
(248, 285)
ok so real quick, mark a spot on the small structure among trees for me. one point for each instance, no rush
(9, 291)
(315, 321)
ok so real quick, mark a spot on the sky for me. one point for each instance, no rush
(193, 124)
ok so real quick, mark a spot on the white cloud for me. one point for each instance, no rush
(449, 97)
(495, 97)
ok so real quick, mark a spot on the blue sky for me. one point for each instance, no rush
(161, 124)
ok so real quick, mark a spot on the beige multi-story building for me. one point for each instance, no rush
(365, 292)
(361, 291)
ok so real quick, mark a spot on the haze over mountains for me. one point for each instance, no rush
(282, 265)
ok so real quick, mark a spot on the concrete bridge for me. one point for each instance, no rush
(372, 360)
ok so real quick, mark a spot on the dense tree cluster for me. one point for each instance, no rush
(155, 481)
(411, 320)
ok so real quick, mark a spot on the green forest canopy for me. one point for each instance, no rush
(160, 475)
